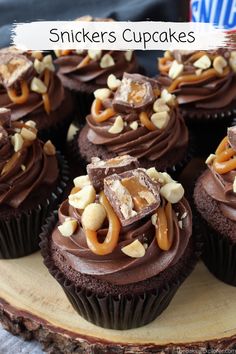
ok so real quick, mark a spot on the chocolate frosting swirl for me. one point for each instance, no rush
(92, 73)
(220, 188)
(142, 142)
(34, 104)
(17, 183)
(210, 93)
(118, 268)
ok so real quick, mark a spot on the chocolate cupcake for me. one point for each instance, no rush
(135, 116)
(32, 181)
(215, 200)
(32, 90)
(84, 71)
(204, 83)
(121, 244)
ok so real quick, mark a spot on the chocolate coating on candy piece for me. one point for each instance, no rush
(13, 67)
(132, 194)
(99, 169)
(5, 117)
(231, 132)
(135, 92)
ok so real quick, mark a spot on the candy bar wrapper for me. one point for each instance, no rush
(19, 235)
(109, 311)
(219, 253)
(208, 129)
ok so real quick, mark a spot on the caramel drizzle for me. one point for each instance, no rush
(100, 115)
(111, 239)
(24, 95)
(207, 74)
(225, 160)
(164, 64)
(146, 121)
(164, 228)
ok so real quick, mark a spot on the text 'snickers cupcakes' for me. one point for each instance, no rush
(204, 83)
(32, 90)
(32, 181)
(121, 244)
(215, 200)
(135, 116)
(84, 71)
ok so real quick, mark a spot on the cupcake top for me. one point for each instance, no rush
(85, 70)
(26, 163)
(28, 83)
(219, 181)
(202, 79)
(123, 224)
(135, 116)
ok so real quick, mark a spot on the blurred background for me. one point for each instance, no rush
(121, 10)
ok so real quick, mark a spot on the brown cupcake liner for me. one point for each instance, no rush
(19, 235)
(124, 311)
(219, 252)
(208, 129)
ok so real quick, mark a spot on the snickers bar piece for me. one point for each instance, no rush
(132, 194)
(135, 92)
(13, 67)
(99, 169)
(232, 137)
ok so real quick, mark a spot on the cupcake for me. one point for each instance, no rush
(32, 180)
(121, 244)
(215, 200)
(134, 116)
(84, 71)
(204, 83)
(30, 88)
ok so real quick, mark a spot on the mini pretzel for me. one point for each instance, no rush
(111, 240)
(207, 74)
(98, 115)
(23, 97)
(225, 160)
(83, 62)
(146, 121)
(164, 64)
(164, 228)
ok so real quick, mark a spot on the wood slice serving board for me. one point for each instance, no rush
(202, 315)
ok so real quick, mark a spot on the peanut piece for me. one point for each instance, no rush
(17, 141)
(28, 134)
(173, 192)
(168, 97)
(118, 126)
(128, 55)
(38, 86)
(134, 249)
(49, 148)
(106, 61)
(160, 119)
(219, 63)
(112, 82)
(210, 159)
(82, 181)
(82, 198)
(160, 106)
(102, 93)
(30, 123)
(93, 216)
(203, 63)
(234, 185)
(175, 70)
(134, 125)
(94, 54)
(68, 227)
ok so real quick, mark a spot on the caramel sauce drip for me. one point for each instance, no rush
(225, 160)
(134, 188)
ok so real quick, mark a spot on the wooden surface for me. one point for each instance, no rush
(202, 314)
